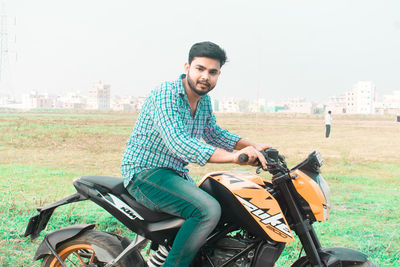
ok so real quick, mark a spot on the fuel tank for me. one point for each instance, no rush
(246, 202)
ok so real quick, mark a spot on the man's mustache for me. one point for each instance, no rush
(204, 82)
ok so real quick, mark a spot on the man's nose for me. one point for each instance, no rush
(205, 75)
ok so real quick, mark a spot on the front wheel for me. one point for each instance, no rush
(79, 251)
(303, 262)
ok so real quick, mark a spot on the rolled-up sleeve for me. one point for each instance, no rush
(169, 119)
(218, 137)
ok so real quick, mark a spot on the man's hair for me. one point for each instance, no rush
(207, 49)
(329, 112)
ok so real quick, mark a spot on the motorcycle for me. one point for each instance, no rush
(259, 216)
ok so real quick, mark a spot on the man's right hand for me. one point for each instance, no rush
(253, 154)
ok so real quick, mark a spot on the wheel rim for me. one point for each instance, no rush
(76, 255)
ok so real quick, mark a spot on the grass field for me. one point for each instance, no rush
(41, 153)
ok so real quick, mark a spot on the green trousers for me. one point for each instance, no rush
(162, 189)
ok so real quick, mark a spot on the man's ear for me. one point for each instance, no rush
(187, 67)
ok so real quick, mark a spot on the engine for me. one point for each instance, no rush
(228, 247)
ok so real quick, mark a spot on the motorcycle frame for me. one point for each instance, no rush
(303, 228)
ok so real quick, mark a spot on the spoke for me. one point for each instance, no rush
(79, 257)
(92, 257)
(71, 262)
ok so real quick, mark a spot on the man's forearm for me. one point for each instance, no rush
(222, 156)
(242, 143)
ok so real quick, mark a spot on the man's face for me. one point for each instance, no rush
(202, 74)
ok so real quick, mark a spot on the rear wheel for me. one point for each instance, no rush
(364, 264)
(80, 252)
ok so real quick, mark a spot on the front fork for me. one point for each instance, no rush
(302, 227)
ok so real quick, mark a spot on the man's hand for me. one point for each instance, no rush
(243, 143)
(261, 146)
(253, 154)
(243, 146)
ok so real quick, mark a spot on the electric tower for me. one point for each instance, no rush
(3, 40)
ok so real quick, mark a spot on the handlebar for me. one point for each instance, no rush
(243, 158)
(275, 162)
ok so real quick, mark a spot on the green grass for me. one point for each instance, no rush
(365, 216)
(41, 153)
(23, 188)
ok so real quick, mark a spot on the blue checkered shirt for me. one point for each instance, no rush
(167, 135)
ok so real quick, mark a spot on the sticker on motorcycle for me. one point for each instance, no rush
(122, 206)
(274, 222)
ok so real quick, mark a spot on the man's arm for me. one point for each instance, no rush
(218, 137)
(223, 156)
(242, 143)
(227, 142)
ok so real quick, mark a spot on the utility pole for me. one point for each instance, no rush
(3, 40)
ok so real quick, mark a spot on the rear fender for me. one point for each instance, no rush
(59, 236)
(334, 255)
(38, 222)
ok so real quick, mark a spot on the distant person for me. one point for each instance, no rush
(328, 121)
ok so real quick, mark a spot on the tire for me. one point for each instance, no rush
(79, 251)
(364, 264)
(305, 263)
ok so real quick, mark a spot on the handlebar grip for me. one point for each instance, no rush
(243, 158)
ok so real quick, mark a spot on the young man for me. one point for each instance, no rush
(328, 121)
(167, 136)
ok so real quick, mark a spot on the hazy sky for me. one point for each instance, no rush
(276, 49)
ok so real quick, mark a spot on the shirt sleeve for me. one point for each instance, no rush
(218, 137)
(168, 119)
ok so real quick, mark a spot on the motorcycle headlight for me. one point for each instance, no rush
(327, 194)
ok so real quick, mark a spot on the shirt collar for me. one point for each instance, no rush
(179, 83)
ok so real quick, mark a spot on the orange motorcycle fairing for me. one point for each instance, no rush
(312, 194)
(259, 203)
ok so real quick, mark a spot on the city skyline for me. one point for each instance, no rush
(276, 50)
(362, 99)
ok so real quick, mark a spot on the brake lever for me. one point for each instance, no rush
(259, 168)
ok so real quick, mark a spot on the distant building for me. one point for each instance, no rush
(272, 107)
(34, 100)
(229, 105)
(350, 102)
(361, 99)
(99, 96)
(389, 104)
(128, 103)
(337, 104)
(6, 100)
(257, 105)
(299, 105)
(73, 100)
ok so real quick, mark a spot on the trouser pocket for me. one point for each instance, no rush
(141, 197)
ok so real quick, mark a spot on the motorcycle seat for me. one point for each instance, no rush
(115, 186)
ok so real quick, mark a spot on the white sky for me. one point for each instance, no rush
(276, 49)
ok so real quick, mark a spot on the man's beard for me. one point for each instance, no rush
(192, 86)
